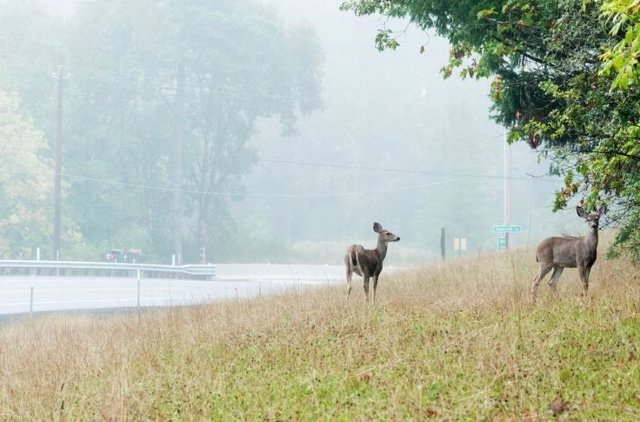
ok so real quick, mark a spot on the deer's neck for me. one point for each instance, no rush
(592, 238)
(382, 249)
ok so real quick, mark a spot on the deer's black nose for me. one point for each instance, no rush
(398, 237)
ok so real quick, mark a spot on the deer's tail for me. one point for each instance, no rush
(354, 258)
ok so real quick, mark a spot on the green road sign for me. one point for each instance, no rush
(501, 243)
(507, 228)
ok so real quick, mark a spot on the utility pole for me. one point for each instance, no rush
(178, 142)
(507, 188)
(57, 184)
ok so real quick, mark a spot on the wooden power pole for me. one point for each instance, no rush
(57, 184)
(178, 145)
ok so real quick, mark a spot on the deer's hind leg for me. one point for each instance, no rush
(349, 275)
(366, 286)
(542, 272)
(555, 276)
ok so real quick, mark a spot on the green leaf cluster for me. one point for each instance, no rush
(25, 183)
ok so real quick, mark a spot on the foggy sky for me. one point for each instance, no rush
(421, 122)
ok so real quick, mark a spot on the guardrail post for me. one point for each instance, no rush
(57, 255)
(138, 277)
(31, 301)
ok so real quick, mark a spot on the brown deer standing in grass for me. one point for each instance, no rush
(558, 253)
(368, 262)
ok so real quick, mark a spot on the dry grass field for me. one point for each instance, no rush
(454, 341)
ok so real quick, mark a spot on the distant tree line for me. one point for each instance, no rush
(160, 101)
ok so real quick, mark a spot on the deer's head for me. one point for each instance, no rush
(384, 234)
(593, 219)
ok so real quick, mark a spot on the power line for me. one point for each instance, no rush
(263, 195)
(458, 177)
(405, 171)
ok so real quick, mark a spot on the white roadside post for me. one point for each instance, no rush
(138, 279)
(460, 244)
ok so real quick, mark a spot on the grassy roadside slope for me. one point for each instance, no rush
(454, 341)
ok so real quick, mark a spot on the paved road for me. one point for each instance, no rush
(84, 293)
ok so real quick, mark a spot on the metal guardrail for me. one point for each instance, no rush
(109, 269)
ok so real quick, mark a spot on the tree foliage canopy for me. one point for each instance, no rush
(564, 79)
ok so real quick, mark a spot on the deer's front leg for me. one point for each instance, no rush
(584, 278)
(375, 286)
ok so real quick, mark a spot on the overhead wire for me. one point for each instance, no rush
(263, 194)
(406, 171)
(457, 177)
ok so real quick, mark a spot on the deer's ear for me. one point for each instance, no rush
(377, 227)
(580, 211)
(602, 210)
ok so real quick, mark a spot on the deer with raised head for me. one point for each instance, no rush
(368, 262)
(558, 253)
